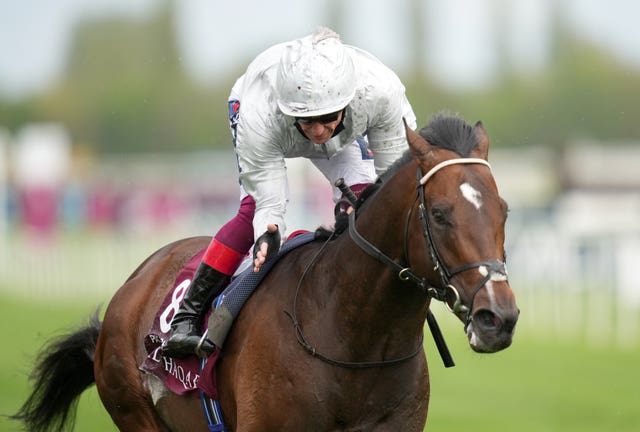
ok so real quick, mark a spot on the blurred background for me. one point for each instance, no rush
(114, 141)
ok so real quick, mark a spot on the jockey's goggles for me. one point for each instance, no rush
(324, 119)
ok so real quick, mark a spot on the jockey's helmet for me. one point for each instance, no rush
(316, 76)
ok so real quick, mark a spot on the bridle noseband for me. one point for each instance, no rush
(441, 292)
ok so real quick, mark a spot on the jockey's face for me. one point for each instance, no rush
(320, 129)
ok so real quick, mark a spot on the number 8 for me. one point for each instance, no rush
(177, 296)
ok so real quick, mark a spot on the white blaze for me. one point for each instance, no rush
(495, 276)
(471, 195)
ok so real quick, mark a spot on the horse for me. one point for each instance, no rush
(332, 339)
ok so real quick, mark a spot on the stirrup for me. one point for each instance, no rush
(198, 349)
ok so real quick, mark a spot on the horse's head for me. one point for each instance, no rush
(463, 218)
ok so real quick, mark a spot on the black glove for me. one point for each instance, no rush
(272, 239)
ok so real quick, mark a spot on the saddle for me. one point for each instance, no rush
(191, 373)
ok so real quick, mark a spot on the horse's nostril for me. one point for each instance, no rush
(487, 319)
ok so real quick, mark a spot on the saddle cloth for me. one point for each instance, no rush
(186, 375)
(178, 375)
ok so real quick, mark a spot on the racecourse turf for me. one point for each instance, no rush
(539, 384)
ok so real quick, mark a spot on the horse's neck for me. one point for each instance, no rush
(370, 294)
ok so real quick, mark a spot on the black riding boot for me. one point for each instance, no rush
(186, 325)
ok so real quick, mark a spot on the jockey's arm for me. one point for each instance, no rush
(387, 135)
(263, 176)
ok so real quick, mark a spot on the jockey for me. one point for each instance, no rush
(313, 97)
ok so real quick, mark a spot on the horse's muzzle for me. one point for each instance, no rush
(490, 331)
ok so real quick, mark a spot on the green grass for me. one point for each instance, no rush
(536, 385)
(25, 327)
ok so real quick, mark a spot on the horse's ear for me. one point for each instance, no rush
(418, 145)
(482, 149)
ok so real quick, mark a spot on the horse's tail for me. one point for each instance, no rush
(63, 370)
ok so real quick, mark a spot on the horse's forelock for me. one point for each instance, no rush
(450, 132)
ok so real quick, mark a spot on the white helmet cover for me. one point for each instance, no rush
(316, 75)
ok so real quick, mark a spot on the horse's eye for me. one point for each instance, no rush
(439, 216)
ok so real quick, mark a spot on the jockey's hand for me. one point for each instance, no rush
(267, 245)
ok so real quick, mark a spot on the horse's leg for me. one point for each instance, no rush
(258, 394)
(120, 386)
(181, 413)
(255, 392)
(410, 413)
(123, 388)
(410, 418)
(119, 351)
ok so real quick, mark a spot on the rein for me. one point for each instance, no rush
(302, 340)
(405, 273)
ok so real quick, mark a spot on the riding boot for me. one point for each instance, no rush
(187, 323)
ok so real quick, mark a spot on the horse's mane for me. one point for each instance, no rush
(445, 130)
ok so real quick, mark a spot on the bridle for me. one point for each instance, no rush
(405, 273)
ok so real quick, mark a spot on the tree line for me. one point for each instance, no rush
(124, 89)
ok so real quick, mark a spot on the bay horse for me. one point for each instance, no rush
(332, 339)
